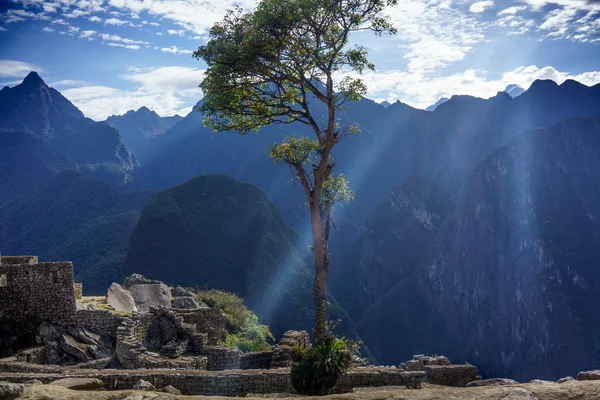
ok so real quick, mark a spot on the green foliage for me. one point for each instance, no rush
(245, 332)
(316, 370)
(255, 337)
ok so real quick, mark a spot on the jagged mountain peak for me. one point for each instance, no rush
(33, 78)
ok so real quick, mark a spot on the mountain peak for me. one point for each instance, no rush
(143, 109)
(33, 79)
(514, 90)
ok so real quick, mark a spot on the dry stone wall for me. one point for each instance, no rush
(207, 320)
(228, 383)
(221, 358)
(32, 292)
(99, 321)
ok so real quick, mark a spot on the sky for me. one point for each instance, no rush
(111, 56)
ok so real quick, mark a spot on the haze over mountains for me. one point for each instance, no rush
(473, 233)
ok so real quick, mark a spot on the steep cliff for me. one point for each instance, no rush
(512, 279)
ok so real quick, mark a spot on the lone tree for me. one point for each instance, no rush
(267, 67)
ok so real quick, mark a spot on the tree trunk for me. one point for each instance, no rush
(321, 266)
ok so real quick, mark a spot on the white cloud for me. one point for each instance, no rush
(175, 50)
(196, 16)
(481, 6)
(60, 22)
(512, 10)
(3, 29)
(46, 29)
(17, 69)
(420, 90)
(87, 34)
(117, 38)
(66, 83)
(126, 46)
(159, 33)
(116, 21)
(436, 34)
(167, 90)
(179, 32)
(95, 19)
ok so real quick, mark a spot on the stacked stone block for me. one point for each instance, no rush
(34, 292)
(222, 358)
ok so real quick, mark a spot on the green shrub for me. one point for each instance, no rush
(316, 370)
(245, 332)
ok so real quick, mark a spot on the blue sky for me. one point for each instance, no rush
(110, 56)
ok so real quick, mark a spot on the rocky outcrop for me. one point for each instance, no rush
(120, 299)
(492, 382)
(589, 375)
(72, 345)
(153, 294)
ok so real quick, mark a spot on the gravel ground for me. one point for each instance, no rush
(589, 390)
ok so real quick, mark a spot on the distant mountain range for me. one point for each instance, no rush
(138, 128)
(472, 232)
(435, 105)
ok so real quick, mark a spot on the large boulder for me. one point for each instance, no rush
(589, 375)
(9, 391)
(137, 279)
(493, 382)
(144, 385)
(153, 294)
(79, 383)
(178, 291)
(120, 299)
(565, 379)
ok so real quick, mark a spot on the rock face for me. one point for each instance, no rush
(65, 346)
(522, 247)
(154, 294)
(10, 391)
(79, 383)
(399, 231)
(189, 303)
(120, 299)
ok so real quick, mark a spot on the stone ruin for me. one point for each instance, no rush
(140, 324)
(146, 330)
(439, 371)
